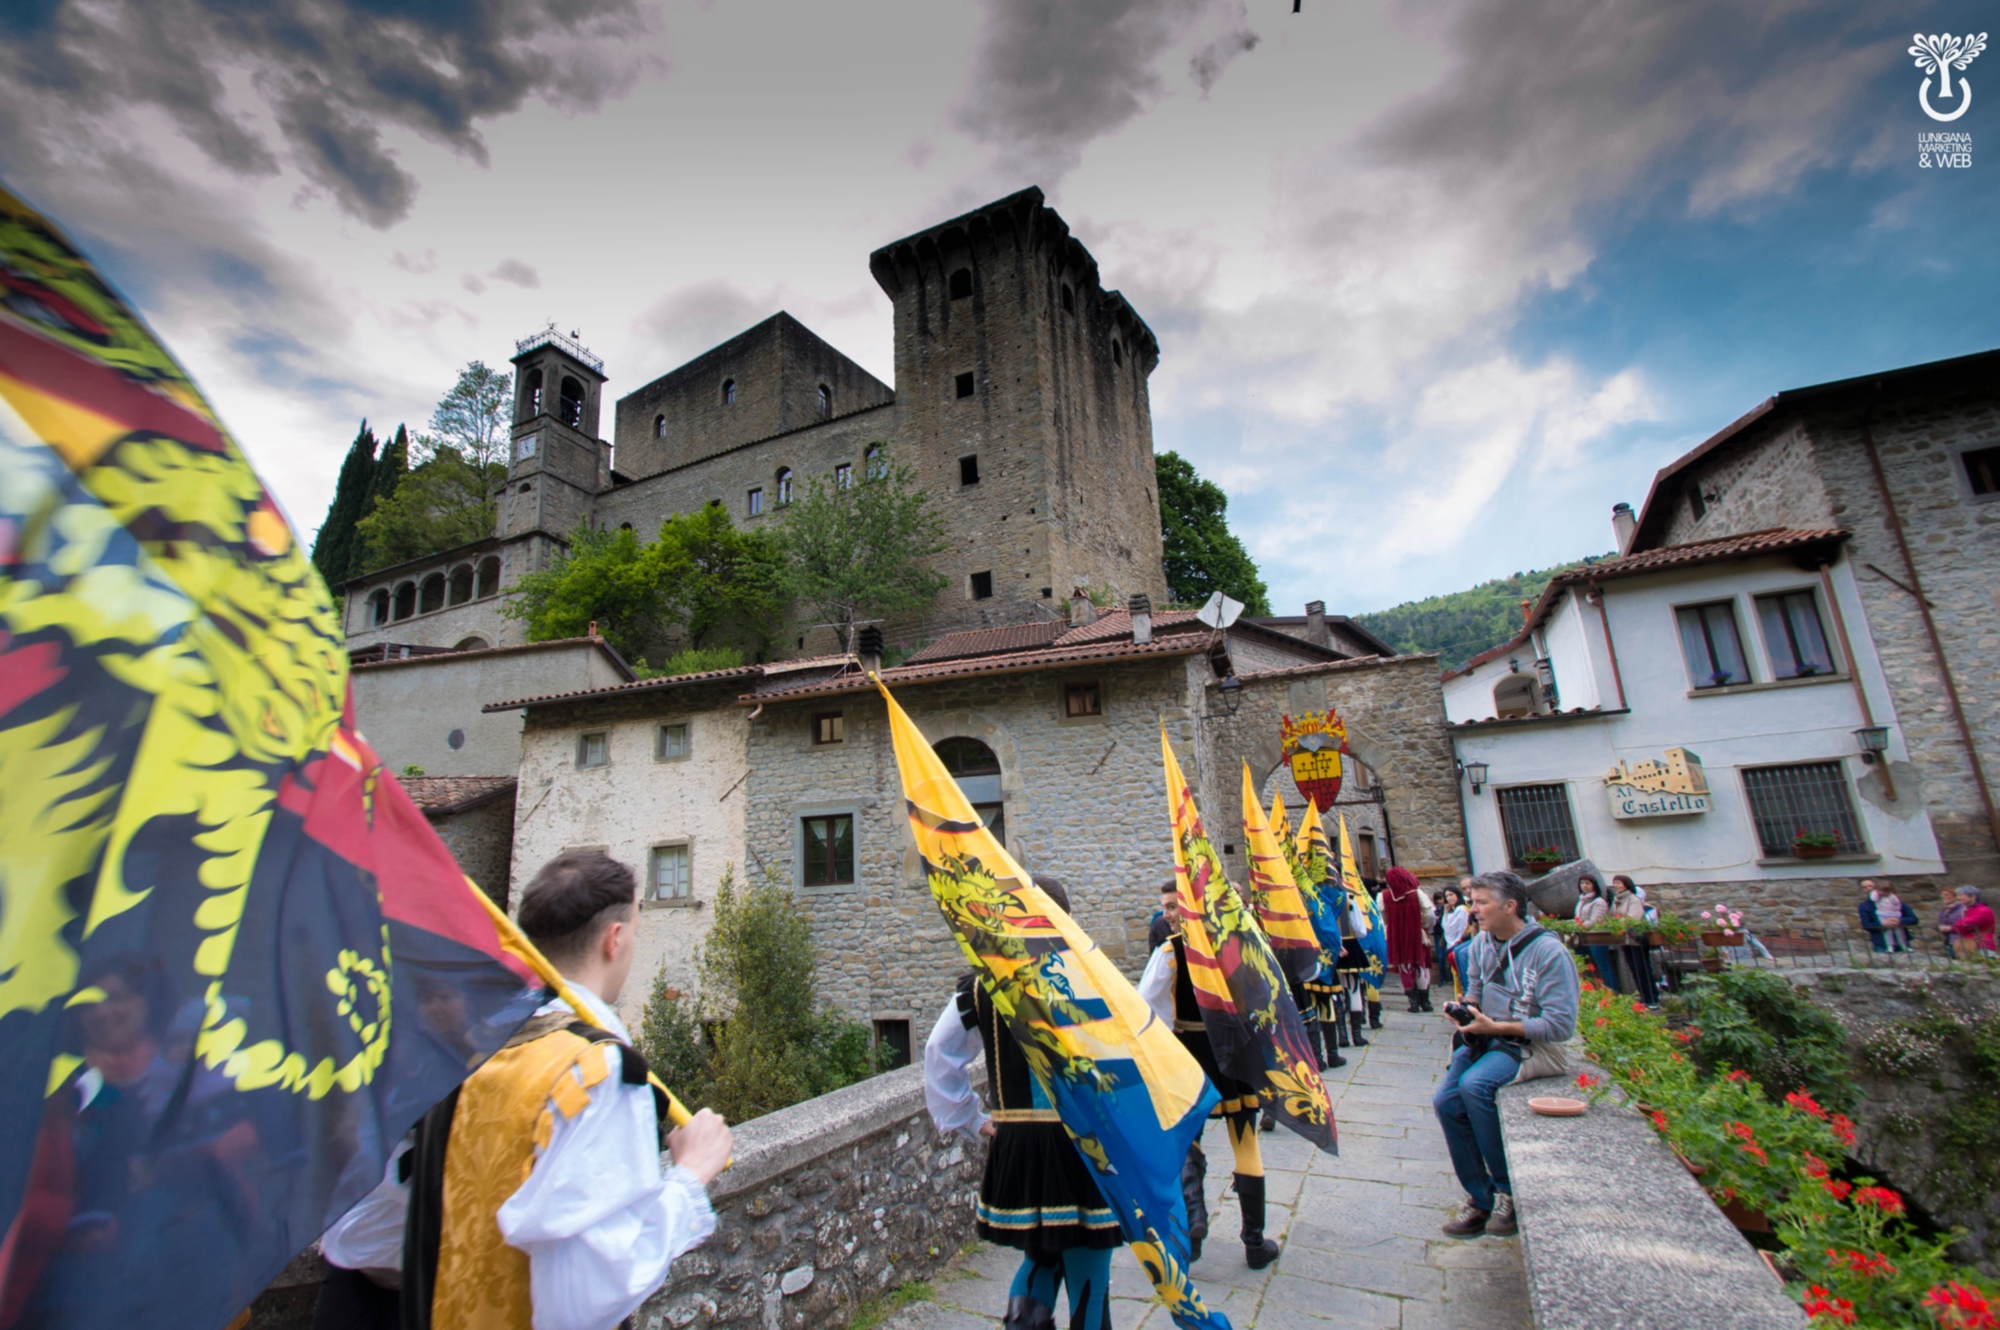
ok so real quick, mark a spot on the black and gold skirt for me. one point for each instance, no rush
(1237, 1096)
(1037, 1193)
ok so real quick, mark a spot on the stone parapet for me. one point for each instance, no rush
(1614, 1232)
(828, 1203)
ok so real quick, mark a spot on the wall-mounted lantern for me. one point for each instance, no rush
(1474, 772)
(1874, 752)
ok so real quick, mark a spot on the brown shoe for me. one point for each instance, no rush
(1469, 1222)
(1501, 1223)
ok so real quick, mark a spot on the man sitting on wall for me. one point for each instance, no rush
(1521, 997)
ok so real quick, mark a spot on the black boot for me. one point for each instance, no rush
(1024, 1313)
(1424, 1000)
(1411, 994)
(1374, 1015)
(1340, 1039)
(1194, 1183)
(1259, 1250)
(1354, 1019)
(1328, 1057)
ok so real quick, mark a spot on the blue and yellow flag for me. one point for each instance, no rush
(1375, 936)
(1129, 1095)
(1246, 1006)
(1273, 894)
(1323, 905)
(236, 962)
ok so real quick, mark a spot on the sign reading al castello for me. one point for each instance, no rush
(1673, 788)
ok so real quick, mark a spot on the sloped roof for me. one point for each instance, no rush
(1114, 624)
(990, 641)
(779, 668)
(1749, 545)
(441, 795)
(1017, 662)
(360, 658)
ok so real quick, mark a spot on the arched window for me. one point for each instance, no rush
(489, 577)
(877, 462)
(531, 395)
(461, 585)
(406, 600)
(1514, 696)
(961, 284)
(433, 594)
(659, 427)
(570, 411)
(977, 771)
(378, 607)
(784, 485)
(1117, 353)
(473, 643)
(825, 401)
(729, 392)
(1069, 299)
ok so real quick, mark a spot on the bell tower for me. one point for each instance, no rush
(557, 464)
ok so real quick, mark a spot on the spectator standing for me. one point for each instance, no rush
(1592, 908)
(1972, 935)
(1522, 990)
(1403, 907)
(1889, 909)
(1950, 910)
(1871, 916)
(1627, 903)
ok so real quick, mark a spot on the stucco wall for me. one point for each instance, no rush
(636, 802)
(410, 709)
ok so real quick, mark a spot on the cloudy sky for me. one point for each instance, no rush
(1435, 283)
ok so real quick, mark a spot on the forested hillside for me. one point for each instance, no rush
(1461, 624)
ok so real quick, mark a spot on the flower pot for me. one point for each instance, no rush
(1722, 938)
(1745, 1219)
(1815, 851)
(1598, 939)
(1689, 1164)
(1712, 964)
(1656, 939)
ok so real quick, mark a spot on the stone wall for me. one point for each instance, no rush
(1769, 477)
(1394, 711)
(828, 1203)
(481, 839)
(1773, 903)
(1085, 801)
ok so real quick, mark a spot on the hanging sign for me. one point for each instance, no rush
(1673, 788)
(1313, 745)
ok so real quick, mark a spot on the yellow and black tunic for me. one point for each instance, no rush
(1037, 1195)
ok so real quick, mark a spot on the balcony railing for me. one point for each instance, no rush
(550, 337)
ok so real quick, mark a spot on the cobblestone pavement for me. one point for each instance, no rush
(1362, 1247)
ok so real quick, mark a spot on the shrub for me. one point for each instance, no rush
(1754, 1019)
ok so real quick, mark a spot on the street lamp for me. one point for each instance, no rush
(1874, 742)
(1475, 772)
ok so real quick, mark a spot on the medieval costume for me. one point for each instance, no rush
(591, 1232)
(364, 1255)
(1404, 911)
(1036, 1194)
(1169, 991)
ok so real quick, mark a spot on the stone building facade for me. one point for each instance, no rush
(1020, 403)
(474, 817)
(1905, 462)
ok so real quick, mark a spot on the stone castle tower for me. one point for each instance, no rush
(1020, 402)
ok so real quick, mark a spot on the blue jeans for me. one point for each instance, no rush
(1876, 941)
(1471, 1121)
(1601, 958)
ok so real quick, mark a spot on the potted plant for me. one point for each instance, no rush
(1670, 930)
(1541, 858)
(1815, 844)
(1722, 927)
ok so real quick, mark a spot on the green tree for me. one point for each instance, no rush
(473, 416)
(863, 550)
(1202, 555)
(774, 1042)
(1460, 624)
(336, 549)
(702, 586)
(445, 502)
(391, 465)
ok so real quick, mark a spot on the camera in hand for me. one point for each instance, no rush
(1459, 1012)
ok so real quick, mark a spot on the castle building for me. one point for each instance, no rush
(1020, 402)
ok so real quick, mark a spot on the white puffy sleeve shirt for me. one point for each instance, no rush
(600, 1222)
(948, 1056)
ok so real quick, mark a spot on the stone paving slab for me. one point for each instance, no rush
(1363, 1251)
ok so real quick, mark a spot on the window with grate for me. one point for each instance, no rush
(829, 846)
(671, 879)
(1537, 818)
(1711, 644)
(1793, 635)
(673, 742)
(1809, 798)
(1982, 469)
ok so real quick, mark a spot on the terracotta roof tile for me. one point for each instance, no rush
(452, 794)
(770, 669)
(990, 641)
(362, 657)
(1018, 662)
(1118, 623)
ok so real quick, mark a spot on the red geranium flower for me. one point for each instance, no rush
(1836, 1188)
(1803, 1102)
(1639, 1008)
(1756, 1153)
(1820, 1302)
(1868, 1267)
(1815, 1166)
(1602, 1021)
(1843, 1129)
(1739, 1076)
(1741, 1130)
(1659, 1120)
(1586, 1081)
(1959, 1307)
(1684, 1036)
(1881, 1198)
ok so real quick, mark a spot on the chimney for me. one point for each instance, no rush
(1081, 611)
(870, 648)
(1142, 618)
(1624, 526)
(1317, 632)
(1527, 612)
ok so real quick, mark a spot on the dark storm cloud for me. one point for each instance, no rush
(1051, 75)
(332, 76)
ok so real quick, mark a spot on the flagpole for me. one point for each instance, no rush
(518, 943)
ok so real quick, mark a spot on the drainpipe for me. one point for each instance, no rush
(1597, 599)
(1464, 824)
(1853, 668)
(1930, 623)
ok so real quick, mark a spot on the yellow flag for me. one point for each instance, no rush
(1274, 894)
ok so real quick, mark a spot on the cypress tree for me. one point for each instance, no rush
(390, 468)
(336, 548)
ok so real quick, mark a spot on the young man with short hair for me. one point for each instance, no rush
(1522, 990)
(537, 1197)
